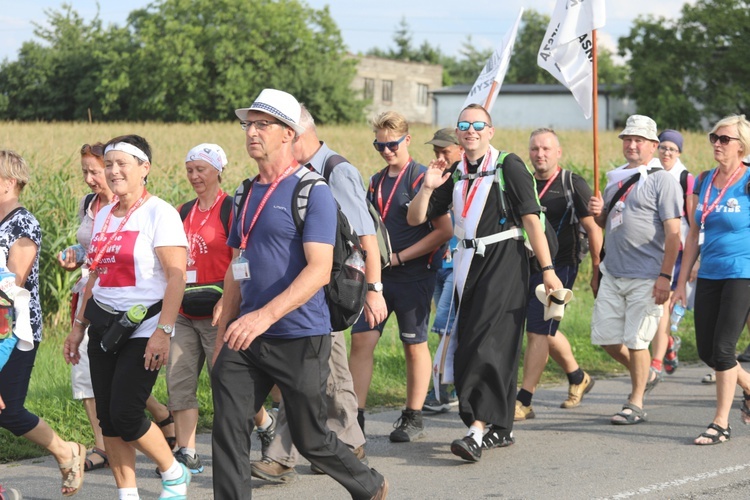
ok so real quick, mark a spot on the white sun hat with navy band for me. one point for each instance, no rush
(277, 103)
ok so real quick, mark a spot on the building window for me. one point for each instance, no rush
(422, 94)
(387, 90)
(369, 92)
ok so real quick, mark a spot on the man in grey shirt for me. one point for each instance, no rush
(347, 187)
(640, 211)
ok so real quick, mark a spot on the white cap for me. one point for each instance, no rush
(210, 153)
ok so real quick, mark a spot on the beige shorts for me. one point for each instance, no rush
(625, 313)
(192, 346)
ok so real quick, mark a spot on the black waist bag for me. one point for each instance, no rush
(199, 300)
(106, 323)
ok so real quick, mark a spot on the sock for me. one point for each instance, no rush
(188, 451)
(524, 397)
(576, 377)
(476, 433)
(127, 494)
(656, 364)
(266, 423)
(174, 472)
(361, 419)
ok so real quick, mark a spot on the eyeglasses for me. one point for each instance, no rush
(478, 126)
(259, 124)
(723, 139)
(392, 145)
(667, 149)
(95, 150)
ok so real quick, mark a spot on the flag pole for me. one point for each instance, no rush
(493, 89)
(595, 102)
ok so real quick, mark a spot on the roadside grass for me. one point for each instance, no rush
(56, 188)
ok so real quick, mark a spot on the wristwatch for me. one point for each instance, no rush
(168, 329)
(375, 287)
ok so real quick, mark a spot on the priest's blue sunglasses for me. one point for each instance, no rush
(478, 126)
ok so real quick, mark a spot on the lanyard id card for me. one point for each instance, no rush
(192, 274)
(240, 269)
(617, 214)
(701, 236)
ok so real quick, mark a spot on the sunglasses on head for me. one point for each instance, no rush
(723, 139)
(392, 145)
(478, 126)
(95, 150)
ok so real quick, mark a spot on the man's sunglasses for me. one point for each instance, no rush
(95, 150)
(392, 145)
(478, 126)
(723, 139)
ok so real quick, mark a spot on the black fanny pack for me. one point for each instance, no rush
(199, 300)
(112, 325)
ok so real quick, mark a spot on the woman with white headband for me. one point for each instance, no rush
(206, 220)
(137, 265)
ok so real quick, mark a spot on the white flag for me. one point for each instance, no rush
(566, 50)
(493, 71)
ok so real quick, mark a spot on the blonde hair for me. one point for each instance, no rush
(743, 129)
(13, 166)
(391, 120)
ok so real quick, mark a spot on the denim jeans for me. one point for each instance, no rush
(445, 306)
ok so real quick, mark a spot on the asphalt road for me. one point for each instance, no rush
(573, 453)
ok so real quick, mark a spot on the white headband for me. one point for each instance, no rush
(127, 148)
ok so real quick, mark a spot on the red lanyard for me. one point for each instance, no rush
(384, 211)
(192, 234)
(712, 207)
(549, 183)
(261, 205)
(102, 248)
(470, 199)
(625, 195)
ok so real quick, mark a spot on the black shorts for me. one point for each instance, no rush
(411, 301)
(535, 310)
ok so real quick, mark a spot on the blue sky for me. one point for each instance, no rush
(365, 24)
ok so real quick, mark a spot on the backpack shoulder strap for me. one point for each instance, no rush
(633, 179)
(330, 164)
(240, 195)
(225, 215)
(186, 207)
(87, 201)
(683, 181)
(301, 195)
(569, 190)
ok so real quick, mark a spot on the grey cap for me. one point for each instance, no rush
(443, 138)
(642, 126)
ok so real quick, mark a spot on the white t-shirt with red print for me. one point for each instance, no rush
(129, 272)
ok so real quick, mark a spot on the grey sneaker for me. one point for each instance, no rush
(408, 427)
(272, 471)
(431, 403)
(267, 435)
(193, 464)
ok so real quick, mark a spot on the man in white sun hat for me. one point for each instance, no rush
(275, 327)
(640, 211)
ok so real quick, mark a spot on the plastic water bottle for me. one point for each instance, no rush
(678, 311)
(356, 261)
(7, 278)
(7, 313)
(80, 253)
(123, 328)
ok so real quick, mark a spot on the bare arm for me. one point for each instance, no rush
(230, 306)
(595, 248)
(375, 308)
(596, 210)
(174, 262)
(436, 175)
(538, 241)
(442, 232)
(315, 275)
(690, 254)
(21, 259)
(663, 286)
(75, 337)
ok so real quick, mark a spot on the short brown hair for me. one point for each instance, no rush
(13, 166)
(478, 106)
(391, 120)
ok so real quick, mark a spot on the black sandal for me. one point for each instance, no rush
(89, 464)
(715, 438)
(745, 409)
(171, 440)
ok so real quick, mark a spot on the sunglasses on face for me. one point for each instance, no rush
(392, 145)
(478, 126)
(259, 124)
(96, 150)
(723, 139)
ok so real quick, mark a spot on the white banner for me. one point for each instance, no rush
(566, 51)
(494, 71)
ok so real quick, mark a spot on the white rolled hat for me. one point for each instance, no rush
(554, 302)
(277, 103)
(212, 154)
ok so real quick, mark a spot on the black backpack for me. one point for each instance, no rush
(582, 237)
(346, 290)
(381, 232)
(225, 215)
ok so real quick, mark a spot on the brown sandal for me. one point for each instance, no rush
(90, 465)
(171, 440)
(72, 470)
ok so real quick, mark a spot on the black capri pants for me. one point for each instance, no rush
(121, 387)
(721, 309)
